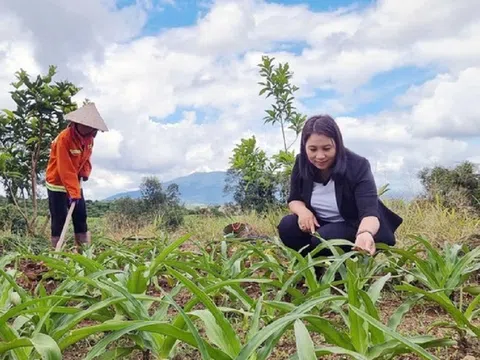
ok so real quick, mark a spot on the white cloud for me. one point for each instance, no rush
(65, 31)
(105, 182)
(108, 145)
(449, 108)
(212, 65)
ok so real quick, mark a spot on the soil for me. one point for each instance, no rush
(416, 322)
(32, 273)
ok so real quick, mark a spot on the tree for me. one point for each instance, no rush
(277, 84)
(173, 194)
(27, 132)
(152, 193)
(256, 181)
(251, 177)
(450, 184)
(160, 203)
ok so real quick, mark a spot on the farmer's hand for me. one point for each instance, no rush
(72, 200)
(307, 221)
(364, 241)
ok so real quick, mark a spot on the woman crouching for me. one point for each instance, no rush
(333, 193)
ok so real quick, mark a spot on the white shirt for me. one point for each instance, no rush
(324, 202)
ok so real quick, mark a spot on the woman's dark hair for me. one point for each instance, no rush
(322, 125)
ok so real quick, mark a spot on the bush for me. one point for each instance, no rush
(11, 221)
(171, 217)
(454, 188)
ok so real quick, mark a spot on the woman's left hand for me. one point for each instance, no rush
(364, 241)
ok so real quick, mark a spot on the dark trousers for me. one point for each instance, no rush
(294, 238)
(58, 205)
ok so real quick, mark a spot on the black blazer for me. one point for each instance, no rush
(356, 194)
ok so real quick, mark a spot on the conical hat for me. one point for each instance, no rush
(87, 115)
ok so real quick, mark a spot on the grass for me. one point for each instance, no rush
(192, 294)
(427, 219)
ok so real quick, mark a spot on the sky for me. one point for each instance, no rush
(176, 80)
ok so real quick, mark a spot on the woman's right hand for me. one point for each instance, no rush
(307, 221)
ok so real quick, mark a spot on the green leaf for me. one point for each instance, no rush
(375, 290)
(138, 281)
(9, 113)
(472, 289)
(334, 350)
(163, 255)
(158, 327)
(414, 347)
(357, 330)
(32, 140)
(393, 347)
(201, 345)
(442, 300)
(305, 347)
(117, 353)
(46, 347)
(377, 335)
(255, 324)
(471, 308)
(229, 334)
(396, 318)
(213, 330)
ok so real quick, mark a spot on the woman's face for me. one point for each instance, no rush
(85, 130)
(320, 151)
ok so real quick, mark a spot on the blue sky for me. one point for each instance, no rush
(377, 95)
(177, 82)
(166, 14)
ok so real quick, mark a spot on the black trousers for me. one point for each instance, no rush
(58, 205)
(293, 237)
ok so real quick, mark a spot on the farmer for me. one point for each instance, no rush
(333, 192)
(69, 163)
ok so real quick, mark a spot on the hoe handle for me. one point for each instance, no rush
(65, 227)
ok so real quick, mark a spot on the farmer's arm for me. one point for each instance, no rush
(86, 170)
(66, 169)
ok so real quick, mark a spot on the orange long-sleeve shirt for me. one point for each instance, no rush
(69, 159)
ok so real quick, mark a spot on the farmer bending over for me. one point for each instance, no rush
(68, 163)
(333, 192)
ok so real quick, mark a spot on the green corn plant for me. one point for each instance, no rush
(463, 319)
(443, 271)
(366, 336)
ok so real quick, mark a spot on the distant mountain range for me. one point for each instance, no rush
(206, 188)
(200, 188)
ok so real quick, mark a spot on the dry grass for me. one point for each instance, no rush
(430, 220)
(435, 222)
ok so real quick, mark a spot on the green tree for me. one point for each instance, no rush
(277, 84)
(27, 132)
(451, 184)
(256, 181)
(251, 177)
(163, 204)
(152, 193)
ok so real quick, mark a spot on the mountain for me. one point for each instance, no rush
(200, 188)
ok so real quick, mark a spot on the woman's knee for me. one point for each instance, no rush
(385, 236)
(288, 226)
(340, 230)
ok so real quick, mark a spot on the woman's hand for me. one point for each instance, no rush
(364, 241)
(307, 221)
